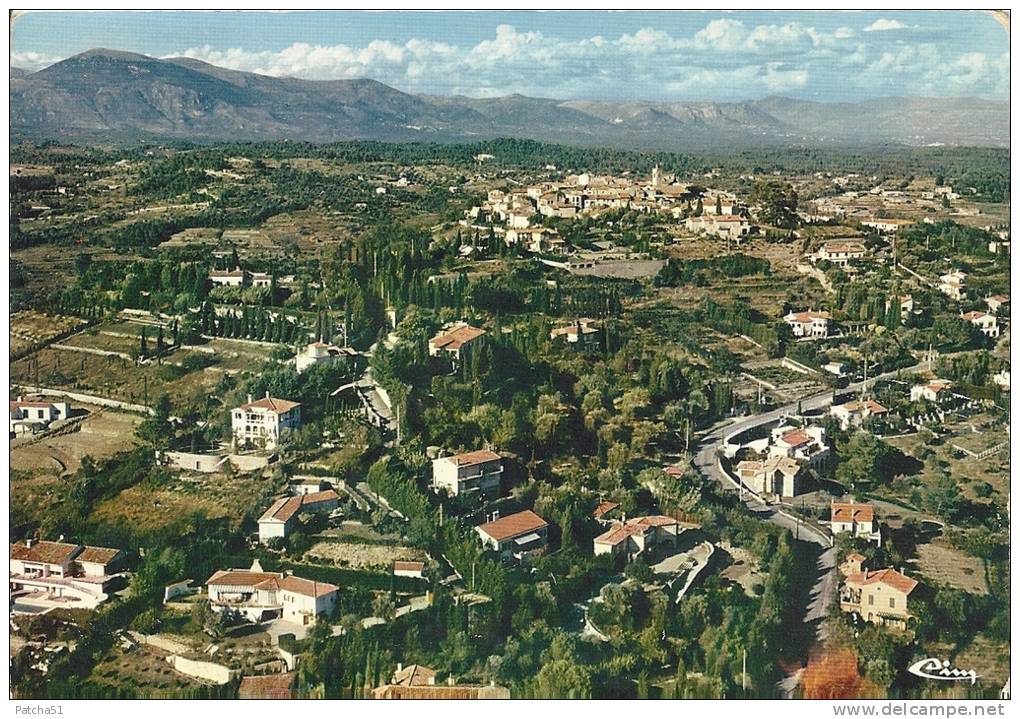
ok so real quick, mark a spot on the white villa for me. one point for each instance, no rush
(809, 324)
(478, 471)
(935, 391)
(262, 423)
(28, 416)
(987, 323)
(45, 575)
(229, 278)
(582, 333)
(732, 227)
(257, 595)
(841, 252)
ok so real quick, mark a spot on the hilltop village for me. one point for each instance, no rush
(506, 420)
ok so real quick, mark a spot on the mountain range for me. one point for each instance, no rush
(112, 96)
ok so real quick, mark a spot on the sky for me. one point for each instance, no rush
(825, 56)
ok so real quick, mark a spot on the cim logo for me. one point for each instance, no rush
(941, 670)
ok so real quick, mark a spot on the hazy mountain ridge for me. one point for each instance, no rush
(103, 93)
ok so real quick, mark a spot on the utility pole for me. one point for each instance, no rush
(743, 673)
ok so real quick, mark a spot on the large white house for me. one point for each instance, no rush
(257, 595)
(478, 471)
(987, 323)
(841, 252)
(28, 416)
(809, 324)
(517, 536)
(732, 227)
(45, 575)
(228, 278)
(263, 422)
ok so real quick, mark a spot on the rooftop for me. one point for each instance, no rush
(45, 552)
(852, 512)
(468, 459)
(514, 525)
(272, 403)
(890, 577)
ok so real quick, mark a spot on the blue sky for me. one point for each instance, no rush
(673, 56)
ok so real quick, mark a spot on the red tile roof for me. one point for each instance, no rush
(45, 552)
(326, 495)
(408, 566)
(514, 525)
(270, 686)
(851, 512)
(604, 508)
(637, 526)
(890, 577)
(307, 587)
(805, 317)
(240, 578)
(273, 404)
(283, 509)
(468, 459)
(796, 437)
(457, 338)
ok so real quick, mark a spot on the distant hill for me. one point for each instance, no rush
(120, 96)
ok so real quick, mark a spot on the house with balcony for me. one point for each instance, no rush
(880, 597)
(471, 472)
(262, 423)
(806, 444)
(987, 323)
(44, 575)
(953, 284)
(817, 325)
(257, 595)
(841, 252)
(517, 536)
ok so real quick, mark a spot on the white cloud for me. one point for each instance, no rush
(32, 61)
(883, 24)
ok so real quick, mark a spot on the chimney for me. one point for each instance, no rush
(29, 542)
(400, 666)
(432, 681)
(449, 681)
(249, 398)
(495, 515)
(267, 394)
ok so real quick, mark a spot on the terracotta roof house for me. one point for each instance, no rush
(603, 510)
(855, 518)
(409, 569)
(637, 535)
(456, 342)
(456, 691)
(263, 422)
(516, 536)
(258, 595)
(879, 597)
(44, 575)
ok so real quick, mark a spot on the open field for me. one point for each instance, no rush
(30, 328)
(102, 434)
(951, 567)
(141, 668)
(355, 555)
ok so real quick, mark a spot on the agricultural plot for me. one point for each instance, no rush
(100, 435)
(356, 555)
(951, 567)
(29, 329)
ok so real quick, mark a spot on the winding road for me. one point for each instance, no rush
(706, 460)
